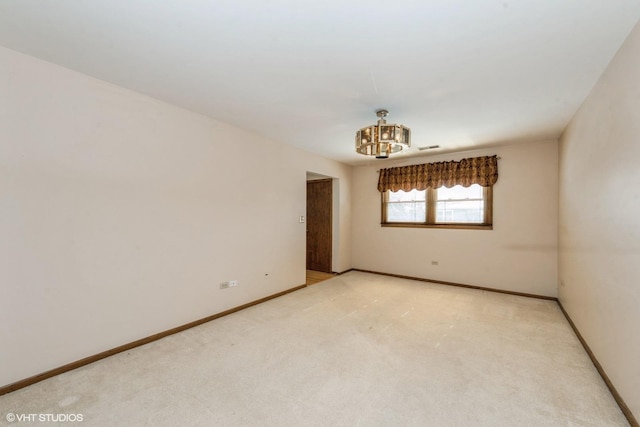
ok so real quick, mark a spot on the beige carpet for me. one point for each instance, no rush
(355, 350)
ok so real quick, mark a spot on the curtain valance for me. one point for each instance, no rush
(466, 172)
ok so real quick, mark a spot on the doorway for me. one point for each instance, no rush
(319, 224)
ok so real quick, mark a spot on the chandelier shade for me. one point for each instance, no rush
(382, 139)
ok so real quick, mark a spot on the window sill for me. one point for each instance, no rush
(447, 226)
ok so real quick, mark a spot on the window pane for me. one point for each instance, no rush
(406, 212)
(408, 196)
(459, 192)
(467, 211)
(460, 204)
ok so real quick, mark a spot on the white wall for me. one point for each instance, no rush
(600, 221)
(120, 215)
(519, 254)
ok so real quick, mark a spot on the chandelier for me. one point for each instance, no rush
(382, 139)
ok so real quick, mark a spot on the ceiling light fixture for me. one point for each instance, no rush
(382, 139)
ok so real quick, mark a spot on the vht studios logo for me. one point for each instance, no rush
(51, 418)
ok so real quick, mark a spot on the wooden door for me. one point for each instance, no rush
(319, 229)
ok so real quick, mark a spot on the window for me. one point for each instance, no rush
(406, 206)
(441, 194)
(460, 205)
(455, 207)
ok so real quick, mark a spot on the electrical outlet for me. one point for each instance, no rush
(233, 283)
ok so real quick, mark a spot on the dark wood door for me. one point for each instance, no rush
(319, 202)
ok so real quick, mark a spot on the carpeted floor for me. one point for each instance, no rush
(355, 350)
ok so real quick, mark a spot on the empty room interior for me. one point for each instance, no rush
(189, 234)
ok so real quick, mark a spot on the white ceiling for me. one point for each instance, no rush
(460, 73)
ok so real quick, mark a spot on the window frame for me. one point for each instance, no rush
(430, 220)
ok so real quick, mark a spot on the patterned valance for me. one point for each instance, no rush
(466, 172)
